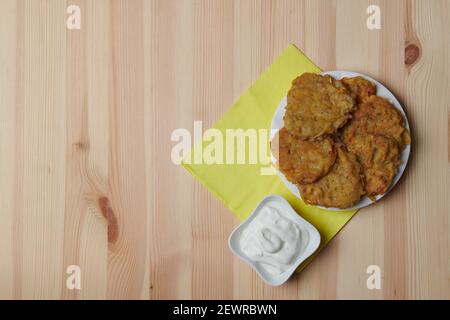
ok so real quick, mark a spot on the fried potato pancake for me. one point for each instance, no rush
(377, 116)
(302, 161)
(360, 88)
(316, 105)
(341, 188)
(379, 156)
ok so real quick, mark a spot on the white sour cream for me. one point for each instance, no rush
(273, 240)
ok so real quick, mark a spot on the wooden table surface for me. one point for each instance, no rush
(85, 121)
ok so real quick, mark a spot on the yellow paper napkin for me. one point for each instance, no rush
(241, 186)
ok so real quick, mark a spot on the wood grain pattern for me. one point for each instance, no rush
(85, 121)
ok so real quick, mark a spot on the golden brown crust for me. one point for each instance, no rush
(334, 176)
(360, 88)
(302, 161)
(379, 156)
(341, 188)
(316, 105)
(377, 116)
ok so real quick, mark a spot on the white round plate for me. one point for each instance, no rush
(382, 91)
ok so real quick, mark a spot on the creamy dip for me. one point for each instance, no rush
(273, 240)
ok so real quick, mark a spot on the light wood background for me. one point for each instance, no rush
(85, 124)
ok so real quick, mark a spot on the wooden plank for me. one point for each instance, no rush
(41, 144)
(8, 143)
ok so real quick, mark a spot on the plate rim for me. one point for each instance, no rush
(405, 155)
